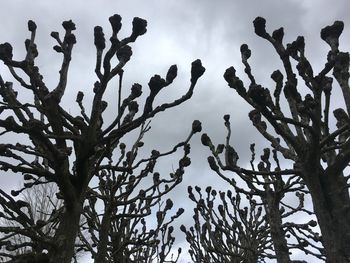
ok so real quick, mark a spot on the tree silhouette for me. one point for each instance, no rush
(120, 232)
(40, 204)
(114, 202)
(70, 151)
(227, 232)
(305, 133)
(263, 228)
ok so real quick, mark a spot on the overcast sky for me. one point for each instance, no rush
(179, 31)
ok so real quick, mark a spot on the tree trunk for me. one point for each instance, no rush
(101, 256)
(66, 235)
(277, 233)
(331, 209)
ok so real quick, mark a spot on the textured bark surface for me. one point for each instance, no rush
(66, 235)
(277, 233)
(330, 210)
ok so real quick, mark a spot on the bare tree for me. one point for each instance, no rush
(306, 133)
(130, 202)
(226, 232)
(266, 218)
(40, 204)
(60, 137)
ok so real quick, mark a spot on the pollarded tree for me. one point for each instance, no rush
(59, 137)
(266, 228)
(306, 133)
(133, 224)
(228, 232)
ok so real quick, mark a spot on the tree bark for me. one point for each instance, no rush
(66, 235)
(101, 256)
(331, 209)
(277, 233)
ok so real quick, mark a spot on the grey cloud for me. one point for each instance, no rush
(178, 32)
